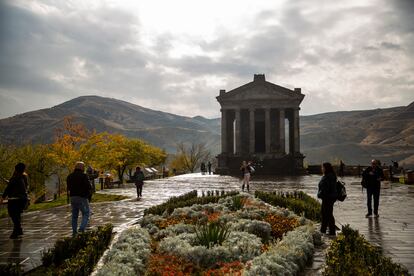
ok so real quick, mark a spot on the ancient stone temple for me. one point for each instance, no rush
(260, 122)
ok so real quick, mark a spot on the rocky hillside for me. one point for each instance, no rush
(352, 136)
(358, 136)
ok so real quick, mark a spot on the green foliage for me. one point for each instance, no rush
(185, 200)
(211, 234)
(351, 254)
(10, 269)
(298, 202)
(77, 255)
(38, 167)
(237, 203)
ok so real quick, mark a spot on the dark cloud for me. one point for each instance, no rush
(318, 45)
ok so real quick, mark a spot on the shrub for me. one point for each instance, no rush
(77, 255)
(184, 201)
(129, 255)
(351, 254)
(211, 234)
(298, 202)
(237, 203)
(288, 257)
(10, 269)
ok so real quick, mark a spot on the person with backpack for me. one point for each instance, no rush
(16, 193)
(327, 191)
(371, 180)
(138, 178)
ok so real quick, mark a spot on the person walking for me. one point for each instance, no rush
(209, 167)
(328, 193)
(138, 178)
(372, 176)
(79, 190)
(246, 171)
(16, 193)
(203, 168)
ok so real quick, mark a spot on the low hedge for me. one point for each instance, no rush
(187, 199)
(76, 255)
(10, 269)
(351, 254)
(299, 202)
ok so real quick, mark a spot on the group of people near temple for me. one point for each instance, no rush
(80, 187)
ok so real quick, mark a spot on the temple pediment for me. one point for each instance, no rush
(262, 90)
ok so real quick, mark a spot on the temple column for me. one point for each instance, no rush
(267, 129)
(296, 138)
(251, 131)
(224, 139)
(281, 137)
(238, 132)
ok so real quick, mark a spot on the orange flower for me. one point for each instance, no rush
(280, 225)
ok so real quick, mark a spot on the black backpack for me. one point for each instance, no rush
(341, 190)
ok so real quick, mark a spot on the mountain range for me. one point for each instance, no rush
(352, 136)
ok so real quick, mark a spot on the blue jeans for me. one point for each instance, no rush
(79, 204)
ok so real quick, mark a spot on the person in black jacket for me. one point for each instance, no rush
(328, 193)
(79, 190)
(16, 192)
(373, 176)
(138, 178)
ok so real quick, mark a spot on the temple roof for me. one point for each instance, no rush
(260, 90)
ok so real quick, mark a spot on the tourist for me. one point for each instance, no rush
(203, 168)
(16, 193)
(209, 167)
(101, 179)
(373, 176)
(138, 178)
(92, 174)
(79, 190)
(341, 169)
(246, 170)
(328, 193)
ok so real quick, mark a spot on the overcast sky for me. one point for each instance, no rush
(174, 56)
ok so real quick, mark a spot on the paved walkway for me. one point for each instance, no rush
(393, 231)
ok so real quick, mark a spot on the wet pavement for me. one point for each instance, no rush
(393, 230)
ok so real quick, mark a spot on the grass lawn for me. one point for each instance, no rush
(63, 201)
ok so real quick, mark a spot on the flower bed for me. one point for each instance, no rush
(237, 235)
(299, 202)
(352, 254)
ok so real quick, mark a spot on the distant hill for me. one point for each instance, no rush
(161, 129)
(358, 136)
(352, 136)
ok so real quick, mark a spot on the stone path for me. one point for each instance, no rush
(394, 230)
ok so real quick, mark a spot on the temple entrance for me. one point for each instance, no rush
(260, 138)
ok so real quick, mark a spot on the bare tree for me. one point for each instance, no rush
(191, 156)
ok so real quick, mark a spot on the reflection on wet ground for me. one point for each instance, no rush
(393, 230)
